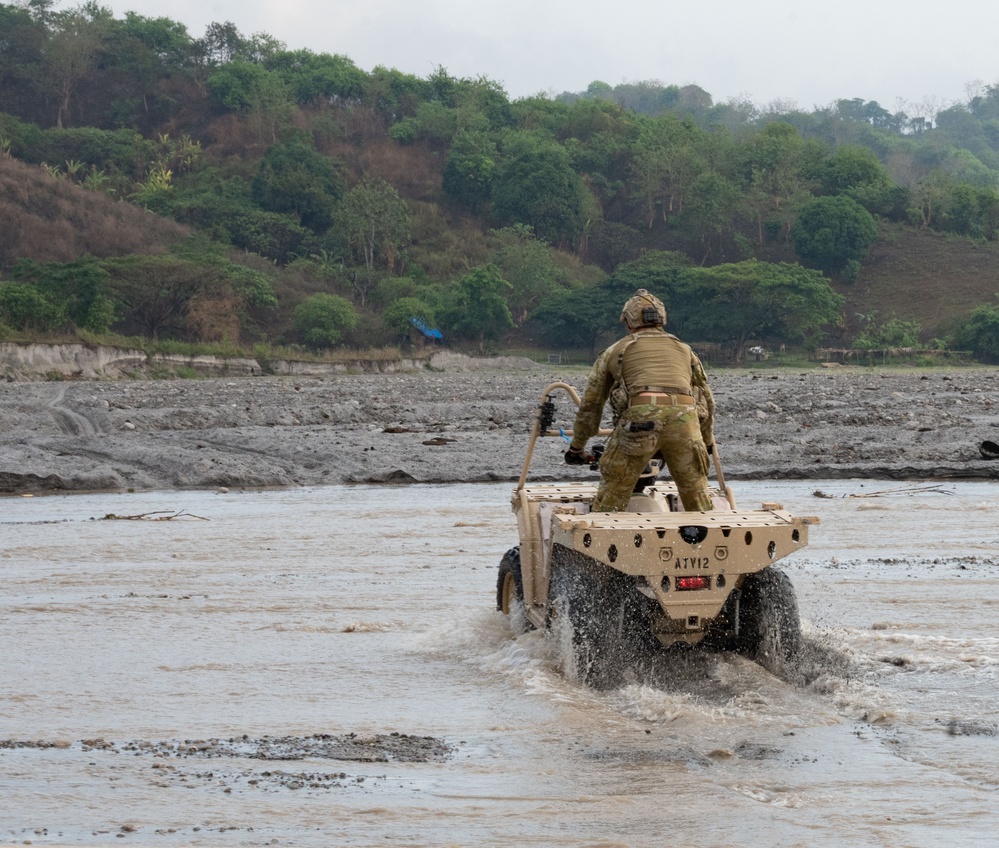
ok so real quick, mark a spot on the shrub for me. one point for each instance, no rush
(893, 333)
(398, 315)
(979, 333)
(833, 231)
(321, 320)
(23, 307)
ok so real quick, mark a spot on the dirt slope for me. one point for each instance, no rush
(922, 276)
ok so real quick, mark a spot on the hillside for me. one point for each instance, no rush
(52, 220)
(228, 189)
(914, 274)
(919, 275)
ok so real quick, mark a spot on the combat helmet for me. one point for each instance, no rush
(644, 310)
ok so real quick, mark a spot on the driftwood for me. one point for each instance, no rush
(158, 515)
(933, 489)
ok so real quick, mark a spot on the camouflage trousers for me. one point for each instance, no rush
(643, 433)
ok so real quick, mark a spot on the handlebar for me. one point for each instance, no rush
(545, 418)
(543, 422)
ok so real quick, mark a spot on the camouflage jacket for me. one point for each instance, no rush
(605, 384)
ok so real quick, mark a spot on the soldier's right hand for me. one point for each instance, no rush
(577, 457)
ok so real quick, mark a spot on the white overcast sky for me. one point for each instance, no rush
(809, 52)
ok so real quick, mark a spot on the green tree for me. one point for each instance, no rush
(455, 106)
(855, 171)
(22, 59)
(832, 231)
(528, 265)
(222, 43)
(605, 157)
(138, 57)
(294, 178)
(892, 333)
(391, 289)
(979, 333)
(81, 287)
(535, 185)
(962, 213)
(261, 94)
(667, 162)
(477, 306)
(253, 287)
(322, 319)
(655, 270)
(588, 314)
(852, 168)
(74, 44)
(394, 93)
(118, 152)
(777, 166)
(155, 292)
(377, 221)
(540, 114)
(168, 40)
(317, 79)
(609, 243)
(932, 197)
(733, 303)
(25, 308)
(433, 122)
(470, 169)
(708, 215)
(569, 318)
(218, 202)
(398, 315)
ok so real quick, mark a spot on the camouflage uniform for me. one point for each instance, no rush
(677, 428)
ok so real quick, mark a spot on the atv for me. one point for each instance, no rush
(620, 587)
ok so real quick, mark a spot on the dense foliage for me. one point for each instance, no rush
(980, 333)
(315, 186)
(834, 234)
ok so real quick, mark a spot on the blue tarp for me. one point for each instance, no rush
(429, 332)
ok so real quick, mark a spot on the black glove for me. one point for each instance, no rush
(710, 448)
(577, 457)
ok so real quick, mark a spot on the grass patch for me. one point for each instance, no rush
(162, 372)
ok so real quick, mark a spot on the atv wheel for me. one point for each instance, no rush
(769, 625)
(510, 589)
(588, 611)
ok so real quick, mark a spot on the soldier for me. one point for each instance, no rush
(656, 385)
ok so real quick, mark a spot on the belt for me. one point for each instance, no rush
(662, 399)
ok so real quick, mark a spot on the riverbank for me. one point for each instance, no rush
(470, 423)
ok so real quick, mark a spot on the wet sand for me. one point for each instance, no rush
(471, 426)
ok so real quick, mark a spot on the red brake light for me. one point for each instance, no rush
(686, 584)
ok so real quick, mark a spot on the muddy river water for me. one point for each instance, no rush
(196, 681)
